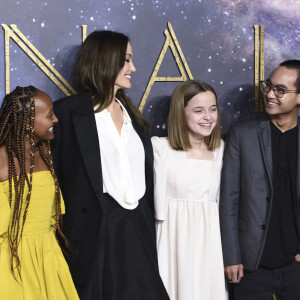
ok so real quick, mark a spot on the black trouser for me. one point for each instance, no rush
(263, 283)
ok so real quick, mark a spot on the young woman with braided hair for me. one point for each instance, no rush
(31, 262)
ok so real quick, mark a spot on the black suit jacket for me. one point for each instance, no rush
(77, 162)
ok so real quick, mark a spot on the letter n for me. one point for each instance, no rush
(14, 33)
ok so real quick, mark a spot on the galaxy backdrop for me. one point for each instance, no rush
(216, 37)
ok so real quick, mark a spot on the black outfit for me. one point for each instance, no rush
(278, 273)
(264, 282)
(282, 236)
(113, 253)
(259, 209)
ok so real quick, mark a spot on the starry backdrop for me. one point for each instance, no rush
(216, 37)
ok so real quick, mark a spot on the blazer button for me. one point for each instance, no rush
(268, 198)
(263, 226)
(83, 210)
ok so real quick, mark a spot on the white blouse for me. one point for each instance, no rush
(122, 159)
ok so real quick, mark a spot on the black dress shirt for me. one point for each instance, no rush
(282, 237)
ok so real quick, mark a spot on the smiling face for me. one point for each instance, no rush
(123, 80)
(201, 115)
(44, 117)
(283, 78)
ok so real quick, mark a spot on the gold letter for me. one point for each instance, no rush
(259, 61)
(83, 32)
(168, 43)
(35, 56)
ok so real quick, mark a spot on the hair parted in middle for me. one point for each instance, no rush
(177, 125)
(100, 59)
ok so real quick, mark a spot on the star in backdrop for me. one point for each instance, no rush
(217, 39)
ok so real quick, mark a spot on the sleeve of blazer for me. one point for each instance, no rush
(229, 199)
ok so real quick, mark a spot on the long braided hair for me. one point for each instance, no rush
(17, 117)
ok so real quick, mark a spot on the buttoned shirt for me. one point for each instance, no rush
(122, 159)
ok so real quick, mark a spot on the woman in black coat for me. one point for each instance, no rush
(104, 163)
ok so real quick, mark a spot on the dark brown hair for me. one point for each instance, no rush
(177, 125)
(17, 117)
(101, 58)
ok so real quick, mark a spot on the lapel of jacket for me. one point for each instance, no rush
(84, 124)
(148, 153)
(264, 135)
(144, 138)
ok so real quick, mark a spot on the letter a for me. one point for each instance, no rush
(184, 70)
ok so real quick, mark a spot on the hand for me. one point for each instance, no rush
(235, 273)
(297, 257)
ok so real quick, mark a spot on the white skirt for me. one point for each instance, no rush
(190, 251)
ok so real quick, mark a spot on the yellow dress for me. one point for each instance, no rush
(44, 271)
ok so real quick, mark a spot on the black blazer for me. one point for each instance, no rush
(76, 142)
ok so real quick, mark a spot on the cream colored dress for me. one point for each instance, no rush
(186, 198)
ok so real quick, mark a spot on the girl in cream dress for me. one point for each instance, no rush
(187, 169)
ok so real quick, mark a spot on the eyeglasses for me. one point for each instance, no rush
(278, 91)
